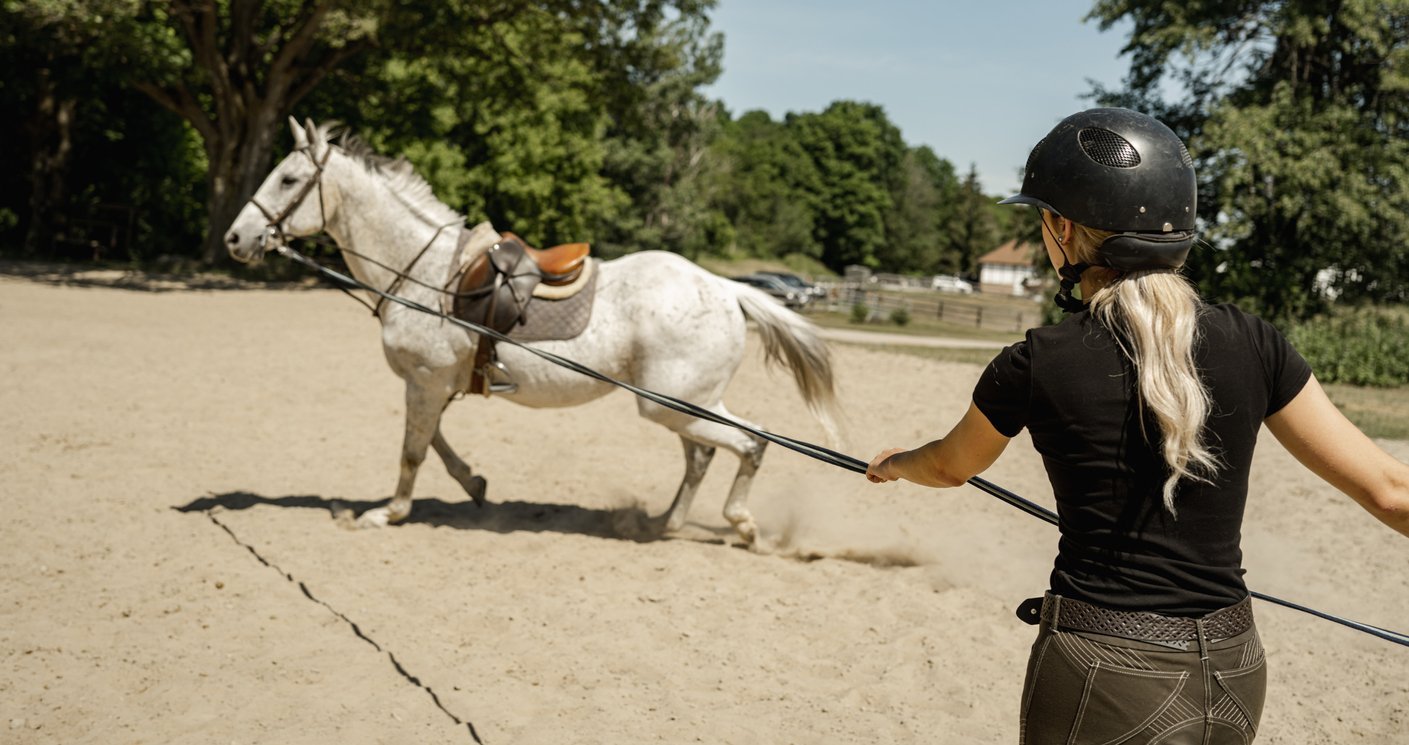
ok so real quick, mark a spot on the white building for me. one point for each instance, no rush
(1005, 269)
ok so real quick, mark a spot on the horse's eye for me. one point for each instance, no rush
(289, 181)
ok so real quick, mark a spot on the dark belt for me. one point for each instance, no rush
(1066, 613)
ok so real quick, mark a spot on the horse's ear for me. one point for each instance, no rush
(300, 136)
(315, 137)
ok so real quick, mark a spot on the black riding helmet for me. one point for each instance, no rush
(1119, 170)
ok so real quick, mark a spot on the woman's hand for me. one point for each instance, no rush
(882, 468)
(965, 452)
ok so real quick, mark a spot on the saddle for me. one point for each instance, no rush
(497, 288)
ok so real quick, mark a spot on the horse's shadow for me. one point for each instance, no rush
(622, 523)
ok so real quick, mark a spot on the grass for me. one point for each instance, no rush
(1378, 412)
(942, 354)
(918, 326)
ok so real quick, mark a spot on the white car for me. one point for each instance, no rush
(947, 283)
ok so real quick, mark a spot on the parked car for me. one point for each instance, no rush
(813, 292)
(775, 287)
(948, 283)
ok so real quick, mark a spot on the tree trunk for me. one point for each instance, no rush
(51, 132)
(239, 161)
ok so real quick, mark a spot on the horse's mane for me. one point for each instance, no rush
(398, 174)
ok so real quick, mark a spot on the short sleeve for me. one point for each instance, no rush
(1004, 391)
(1286, 370)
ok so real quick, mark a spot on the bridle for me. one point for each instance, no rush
(276, 222)
(275, 228)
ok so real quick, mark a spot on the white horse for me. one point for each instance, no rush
(659, 322)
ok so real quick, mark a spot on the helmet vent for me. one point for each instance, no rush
(1108, 148)
(1184, 156)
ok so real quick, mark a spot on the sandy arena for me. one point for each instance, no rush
(173, 570)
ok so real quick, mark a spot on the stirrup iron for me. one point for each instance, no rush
(494, 373)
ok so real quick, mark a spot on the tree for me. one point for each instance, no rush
(51, 46)
(660, 128)
(922, 206)
(1297, 114)
(237, 70)
(604, 140)
(857, 152)
(974, 228)
(773, 187)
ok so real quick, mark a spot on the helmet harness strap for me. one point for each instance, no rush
(1070, 276)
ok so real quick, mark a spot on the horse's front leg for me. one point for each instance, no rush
(424, 404)
(459, 470)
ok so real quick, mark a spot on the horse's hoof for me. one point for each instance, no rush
(379, 517)
(478, 487)
(343, 515)
(763, 545)
(747, 530)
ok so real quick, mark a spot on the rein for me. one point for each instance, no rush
(826, 455)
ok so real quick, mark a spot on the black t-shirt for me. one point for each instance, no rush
(1074, 390)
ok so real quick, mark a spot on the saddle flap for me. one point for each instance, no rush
(498, 286)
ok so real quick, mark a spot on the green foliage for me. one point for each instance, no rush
(859, 313)
(900, 316)
(772, 200)
(598, 141)
(94, 163)
(919, 226)
(562, 120)
(857, 153)
(974, 227)
(1366, 346)
(1298, 117)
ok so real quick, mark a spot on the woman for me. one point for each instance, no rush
(1145, 406)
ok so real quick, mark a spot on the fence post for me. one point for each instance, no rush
(978, 318)
(939, 314)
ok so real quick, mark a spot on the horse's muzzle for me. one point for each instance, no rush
(245, 251)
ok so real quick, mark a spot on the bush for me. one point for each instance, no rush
(1366, 346)
(900, 316)
(859, 312)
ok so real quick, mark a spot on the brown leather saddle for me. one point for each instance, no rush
(496, 290)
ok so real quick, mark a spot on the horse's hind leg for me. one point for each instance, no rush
(697, 458)
(711, 435)
(424, 403)
(459, 469)
(736, 508)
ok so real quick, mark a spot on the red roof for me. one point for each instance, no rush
(1011, 253)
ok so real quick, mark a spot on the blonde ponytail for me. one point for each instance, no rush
(1153, 316)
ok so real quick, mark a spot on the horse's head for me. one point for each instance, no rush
(292, 201)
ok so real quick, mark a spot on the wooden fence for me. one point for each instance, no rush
(963, 310)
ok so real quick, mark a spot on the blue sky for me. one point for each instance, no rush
(979, 82)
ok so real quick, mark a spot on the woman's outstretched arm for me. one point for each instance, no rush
(968, 449)
(1313, 430)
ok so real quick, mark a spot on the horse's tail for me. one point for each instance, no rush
(792, 341)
